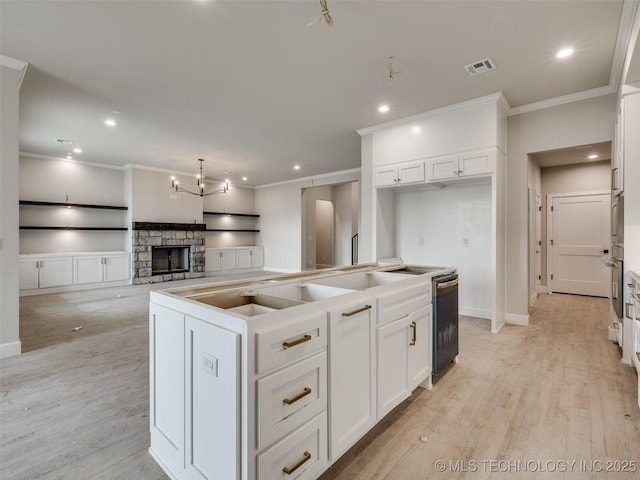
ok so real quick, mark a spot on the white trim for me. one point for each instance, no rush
(517, 319)
(474, 312)
(280, 270)
(73, 288)
(40, 156)
(554, 102)
(494, 97)
(15, 64)
(311, 179)
(10, 349)
(543, 289)
(627, 35)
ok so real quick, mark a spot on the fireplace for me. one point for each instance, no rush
(167, 251)
(169, 260)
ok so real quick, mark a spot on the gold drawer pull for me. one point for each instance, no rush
(349, 314)
(306, 338)
(290, 470)
(414, 328)
(289, 401)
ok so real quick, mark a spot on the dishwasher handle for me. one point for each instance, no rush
(451, 283)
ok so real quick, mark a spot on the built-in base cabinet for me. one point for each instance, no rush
(60, 270)
(225, 260)
(633, 310)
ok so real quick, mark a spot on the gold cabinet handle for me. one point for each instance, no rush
(290, 470)
(414, 328)
(289, 401)
(626, 310)
(306, 338)
(349, 314)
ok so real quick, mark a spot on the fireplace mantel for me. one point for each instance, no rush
(169, 226)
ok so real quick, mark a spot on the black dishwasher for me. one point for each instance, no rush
(445, 320)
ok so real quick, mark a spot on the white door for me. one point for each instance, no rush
(243, 259)
(325, 233)
(227, 259)
(578, 238)
(88, 269)
(212, 261)
(257, 259)
(393, 341)
(412, 172)
(385, 175)
(28, 273)
(56, 272)
(538, 240)
(116, 267)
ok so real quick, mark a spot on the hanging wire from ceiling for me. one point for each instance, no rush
(325, 15)
(392, 73)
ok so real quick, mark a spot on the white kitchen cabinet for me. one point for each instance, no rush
(352, 360)
(419, 354)
(233, 258)
(257, 257)
(46, 271)
(460, 165)
(249, 257)
(404, 173)
(100, 268)
(393, 340)
(212, 260)
(617, 150)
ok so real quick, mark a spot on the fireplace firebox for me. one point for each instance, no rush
(169, 260)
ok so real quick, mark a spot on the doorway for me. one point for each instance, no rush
(578, 243)
(329, 224)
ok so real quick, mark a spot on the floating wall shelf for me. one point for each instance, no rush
(253, 215)
(77, 205)
(114, 229)
(229, 230)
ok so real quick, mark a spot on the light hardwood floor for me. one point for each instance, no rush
(75, 405)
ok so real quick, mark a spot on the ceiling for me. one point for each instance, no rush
(570, 156)
(254, 89)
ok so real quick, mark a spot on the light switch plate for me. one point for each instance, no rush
(210, 364)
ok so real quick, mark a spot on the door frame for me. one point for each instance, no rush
(550, 197)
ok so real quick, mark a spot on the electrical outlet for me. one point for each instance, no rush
(210, 364)
(465, 241)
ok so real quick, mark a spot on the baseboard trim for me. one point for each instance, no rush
(515, 319)
(281, 270)
(10, 349)
(73, 288)
(474, 312)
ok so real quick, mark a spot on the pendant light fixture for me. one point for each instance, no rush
(200, 183)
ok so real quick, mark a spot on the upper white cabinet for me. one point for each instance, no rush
(399, 174)
(460, 165)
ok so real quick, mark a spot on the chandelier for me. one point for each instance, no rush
(200, 192)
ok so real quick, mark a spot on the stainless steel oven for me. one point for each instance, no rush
(617, 256)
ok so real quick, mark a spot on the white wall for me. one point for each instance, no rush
(280, 209)
(346, 212)
(59, 180)
(9, 243)
(431, 226)
(308, 223)
(577, 123)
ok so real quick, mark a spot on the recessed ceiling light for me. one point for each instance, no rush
(296, 167)
(416, 129)
(110, 122)
(591, 157)
(383, 108)
(244, 178)
(565, 52)
(69, 157)
(77, 150)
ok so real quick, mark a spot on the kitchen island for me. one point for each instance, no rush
(277, 377)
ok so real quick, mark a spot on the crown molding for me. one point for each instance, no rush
(554, 102)
(40, 156)
(14, 64)
(310, 181)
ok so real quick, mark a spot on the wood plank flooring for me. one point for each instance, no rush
(75, 405)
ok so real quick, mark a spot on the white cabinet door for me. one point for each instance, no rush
(385, 176)
(167, 370)
(474, 164)
(243, 258)
(393, 341)
(352, 372)
(212, 261)
(257, 257)
(28, 273)
(213, 404)
(116, 268)
(411, 172)
(87, 269)
(442, 167)
(56, 272)
(420, 348)
(227, 259)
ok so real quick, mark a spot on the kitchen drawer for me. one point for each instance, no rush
(290, 397)
(286, 343)
(399, 303)
(303, 453)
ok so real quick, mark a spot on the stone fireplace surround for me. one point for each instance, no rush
(146, 235)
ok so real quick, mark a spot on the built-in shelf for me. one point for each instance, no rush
(253, 215)
(32, 227)
(230, 230)
(68, 205)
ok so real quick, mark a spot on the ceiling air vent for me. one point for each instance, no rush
(482, 66)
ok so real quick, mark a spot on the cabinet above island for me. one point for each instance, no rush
(253, 378)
